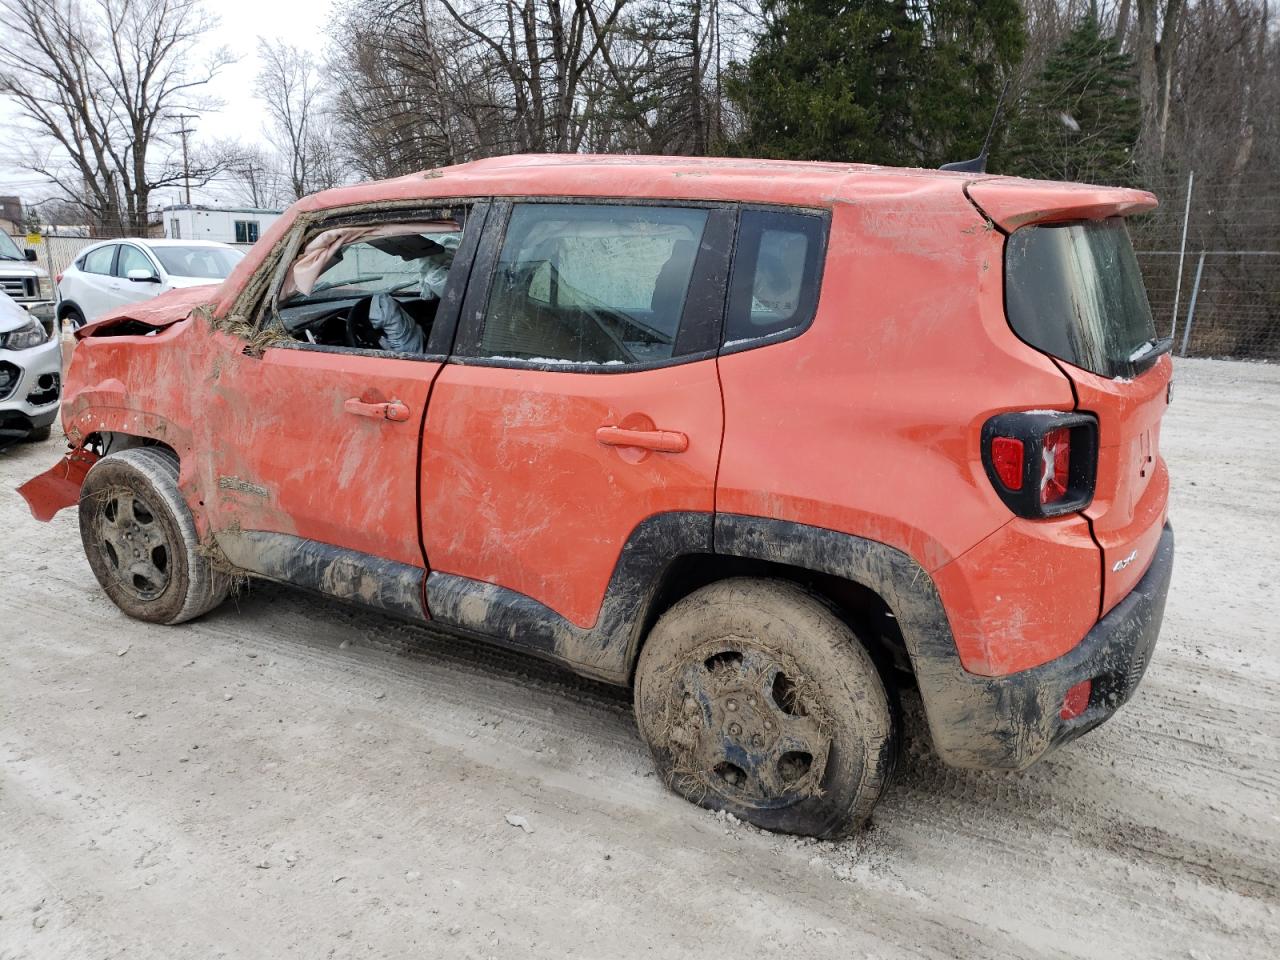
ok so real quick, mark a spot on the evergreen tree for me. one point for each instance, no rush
(907, 82)
(1080, 119)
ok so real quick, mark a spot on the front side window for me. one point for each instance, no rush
(776, 274)
(246, 231)
(131, 258)
(591, 283)
(200, 263)
(375, 287)
(99, 260)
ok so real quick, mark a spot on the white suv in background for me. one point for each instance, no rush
(116, 273)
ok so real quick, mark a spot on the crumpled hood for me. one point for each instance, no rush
(159, 312)
(12, 316)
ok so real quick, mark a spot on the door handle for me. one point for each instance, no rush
(392, 410)
(664, 441)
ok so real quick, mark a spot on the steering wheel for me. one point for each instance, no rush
(360, 332)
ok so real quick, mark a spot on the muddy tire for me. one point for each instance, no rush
(140, 538)
(755, 698)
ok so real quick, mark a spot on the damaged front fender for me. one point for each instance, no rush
(59, 486)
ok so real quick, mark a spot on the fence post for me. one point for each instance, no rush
(1191, 307)
(1182, 253)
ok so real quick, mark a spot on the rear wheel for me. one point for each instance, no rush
(140, 538)
(757, 699)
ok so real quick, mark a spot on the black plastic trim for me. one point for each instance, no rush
(355, 351)
(605, 650)
(445, 326)
(1031, 428)
(370, 581)
(1003, 722)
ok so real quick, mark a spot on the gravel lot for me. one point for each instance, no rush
(292, 777)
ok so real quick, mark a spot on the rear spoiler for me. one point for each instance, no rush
(1010, 203)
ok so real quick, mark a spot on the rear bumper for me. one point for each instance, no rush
(1009, 722)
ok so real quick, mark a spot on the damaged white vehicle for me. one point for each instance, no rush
(30, 375)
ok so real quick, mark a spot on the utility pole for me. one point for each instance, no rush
(186, 167)
(1182, 255)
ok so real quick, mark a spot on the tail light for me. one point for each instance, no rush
(57, 278)
(1042, 463)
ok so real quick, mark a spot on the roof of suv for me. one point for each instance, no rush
(161, 242)
(726, 179)
(784, 181)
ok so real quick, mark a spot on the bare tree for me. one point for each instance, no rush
(544, 51)
(99, 82)
(254, 173)
(291, 86)
(1155, 41)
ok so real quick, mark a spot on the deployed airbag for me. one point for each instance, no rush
(399, 332)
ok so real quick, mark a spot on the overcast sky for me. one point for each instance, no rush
(301, 22)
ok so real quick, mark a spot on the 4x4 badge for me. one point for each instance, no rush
(1121, 564)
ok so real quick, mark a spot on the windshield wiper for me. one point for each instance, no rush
(319, 288)
(1151, 349)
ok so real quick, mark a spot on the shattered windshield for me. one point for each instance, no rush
(413, 262)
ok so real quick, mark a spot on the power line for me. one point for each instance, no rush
(186, 167)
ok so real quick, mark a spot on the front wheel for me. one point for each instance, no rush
(755, 698)
(140, 538)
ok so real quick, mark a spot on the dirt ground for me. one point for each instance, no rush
(292, 777)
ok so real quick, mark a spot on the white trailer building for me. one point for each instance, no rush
(242, 225)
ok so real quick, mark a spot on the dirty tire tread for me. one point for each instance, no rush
(785, 615)
(195, 587)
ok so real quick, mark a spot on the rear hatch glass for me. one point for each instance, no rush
(1074, 291)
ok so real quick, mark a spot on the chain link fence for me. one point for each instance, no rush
(1219, 295)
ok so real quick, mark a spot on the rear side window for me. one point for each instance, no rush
(776, 274)
(99, 261)
(591, 283)
(1075, 292)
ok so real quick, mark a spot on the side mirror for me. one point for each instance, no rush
(31, 255)
(142, 276)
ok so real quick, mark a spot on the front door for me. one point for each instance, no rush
(581, 401)
(313, 465)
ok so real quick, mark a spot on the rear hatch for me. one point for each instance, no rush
(1073, 290)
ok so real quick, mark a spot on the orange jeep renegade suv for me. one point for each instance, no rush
(762, 440)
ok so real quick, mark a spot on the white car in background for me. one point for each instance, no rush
(30, 375)
(116, 273)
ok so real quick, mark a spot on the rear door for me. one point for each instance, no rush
(1075, 291)
(582, 397)
(93, 292)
